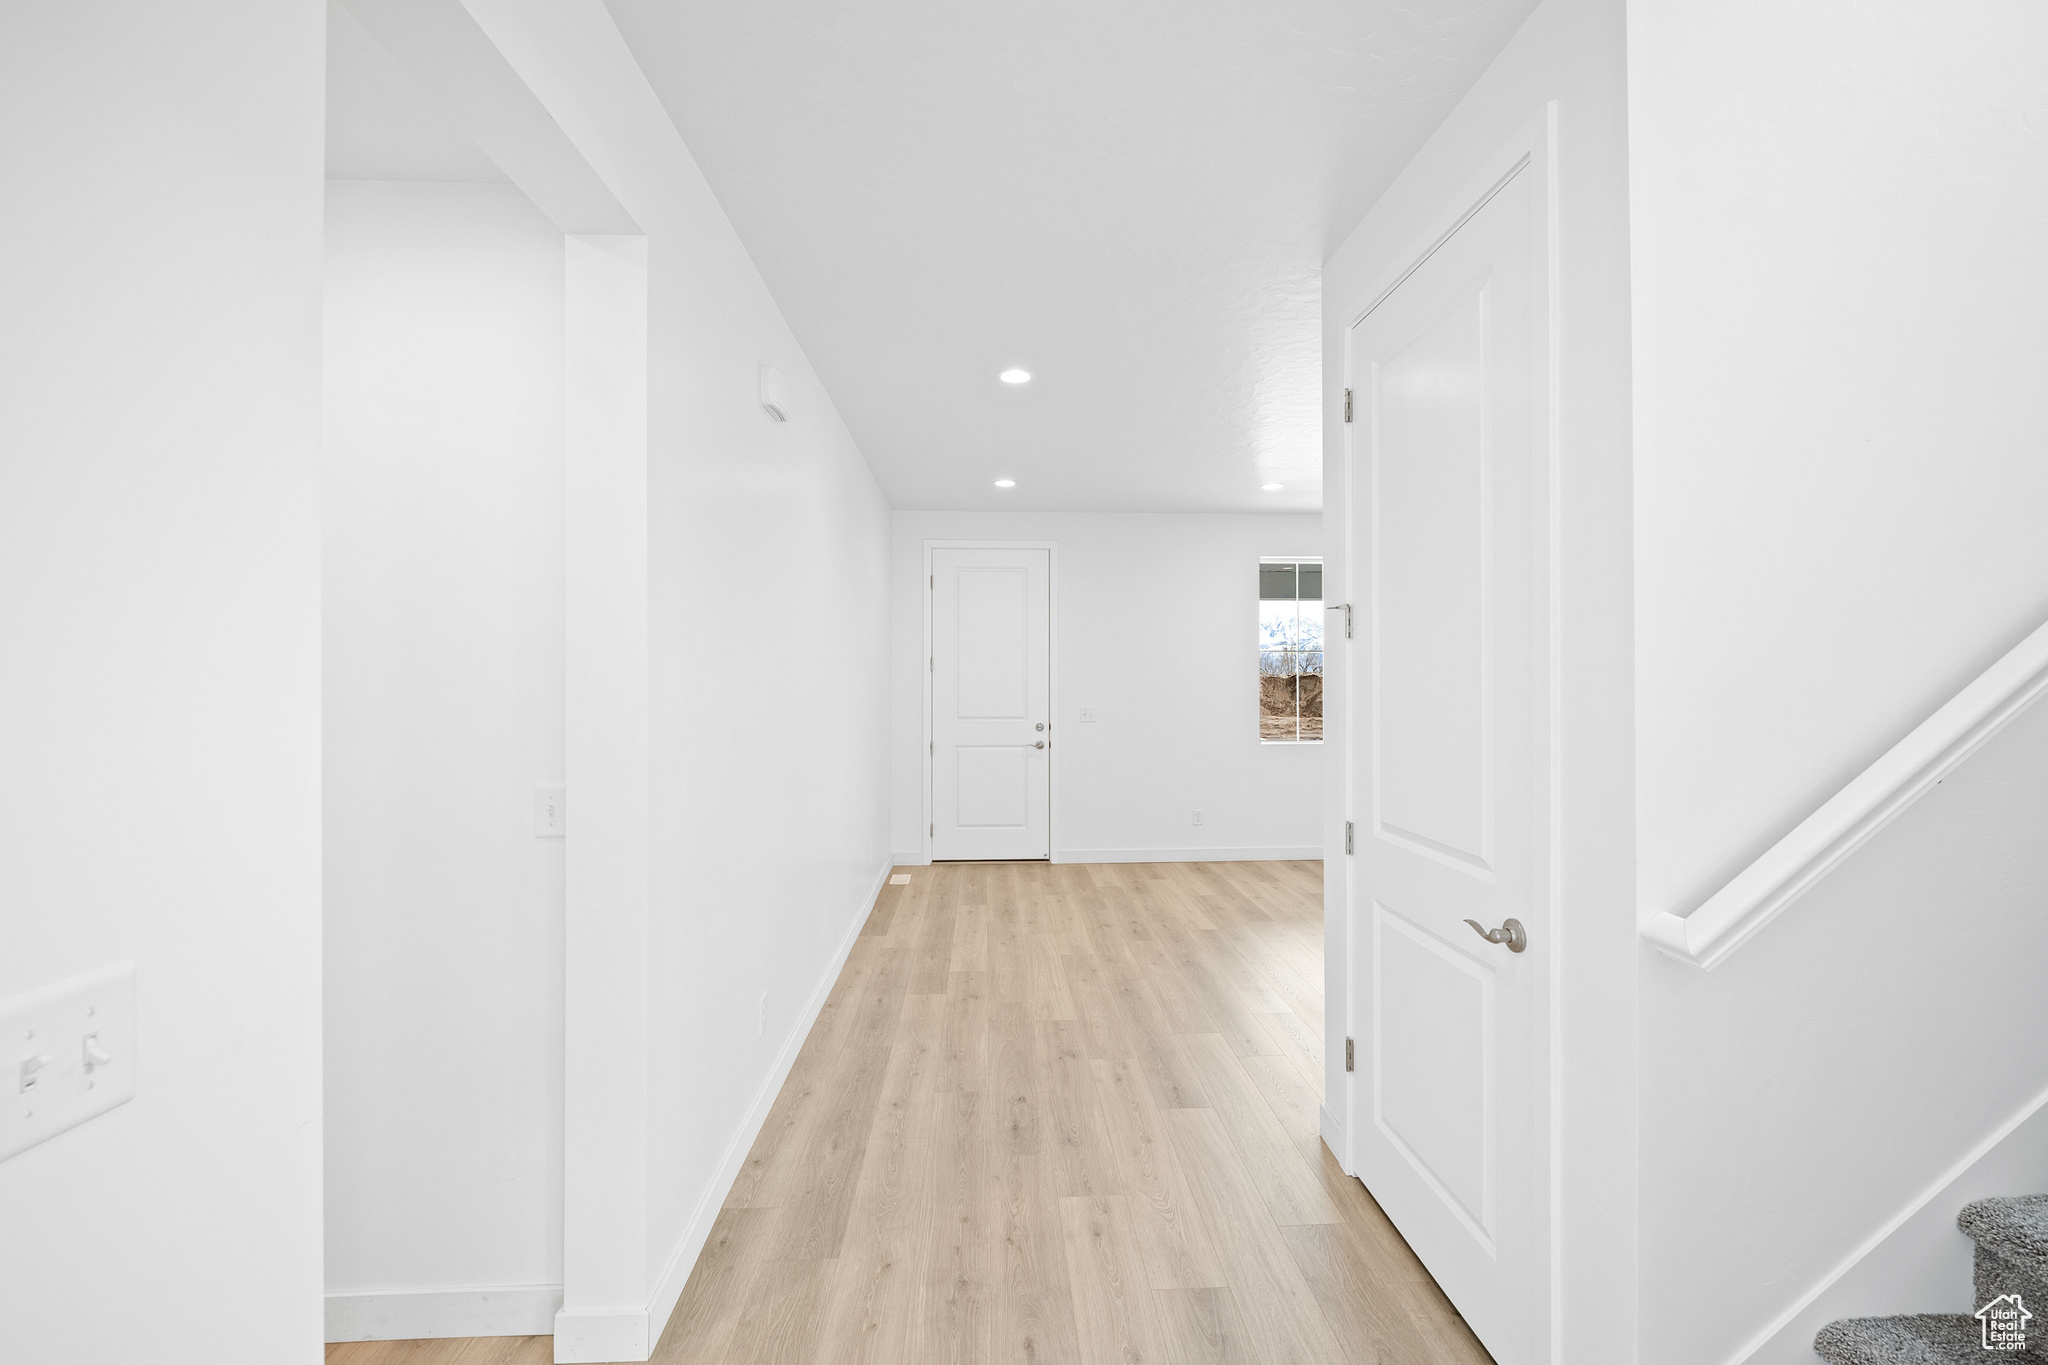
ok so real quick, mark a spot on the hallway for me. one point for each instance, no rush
(1051, 1114)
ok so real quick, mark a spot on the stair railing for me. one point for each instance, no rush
(1824, 840)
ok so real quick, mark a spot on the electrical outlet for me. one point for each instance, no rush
(1087, 715)
(1198, 817)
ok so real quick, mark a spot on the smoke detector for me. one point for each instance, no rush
(774, 395)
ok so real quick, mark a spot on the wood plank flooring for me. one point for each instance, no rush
(446, 1351)
(1054, 1115)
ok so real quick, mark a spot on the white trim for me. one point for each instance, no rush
(1312, 853)
(911, 857)
(1534, 151)
(1523, 152)
(1331, 1129)
(1883, 791)
(1941, 1183)
(683, 1259)
(518, 1310)
(602, 1335)
(1052, 682)
(1553, 431)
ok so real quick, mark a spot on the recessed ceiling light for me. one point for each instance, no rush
(1271, 487)
(1015, 376)
(1006, 483)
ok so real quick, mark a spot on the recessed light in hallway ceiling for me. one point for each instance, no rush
(1271, 487)
(1014, 376)
(1006, 483)
(1142, 208)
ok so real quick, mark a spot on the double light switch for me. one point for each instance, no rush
(71, 1054)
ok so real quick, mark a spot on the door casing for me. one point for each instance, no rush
(1531, 153)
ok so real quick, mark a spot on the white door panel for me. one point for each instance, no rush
(1432, 1063)
(1448, 557)
(1431, 515)
(994, 786)
(991, 750)
(991, 613)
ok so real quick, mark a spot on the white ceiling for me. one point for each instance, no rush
(1132, 201)
(380, 124)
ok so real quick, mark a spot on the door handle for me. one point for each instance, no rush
(1039, 745)
(1510, 932)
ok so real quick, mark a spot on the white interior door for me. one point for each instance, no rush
(1446, 516)
(991, 704)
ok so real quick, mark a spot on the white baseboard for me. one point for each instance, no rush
(626, 1335)
(914, 858)
(1919, 1260)
(1311, 853)
(520, 1310)
(619, 1334)
(1333, 1137)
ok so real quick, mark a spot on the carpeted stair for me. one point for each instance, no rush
(2012, 1261)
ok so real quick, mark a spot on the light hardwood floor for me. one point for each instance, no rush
(1054, 1114)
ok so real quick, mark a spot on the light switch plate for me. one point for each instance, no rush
(69, 1053)
(550, 810)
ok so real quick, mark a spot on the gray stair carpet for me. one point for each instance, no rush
(2016, 1227)
(2011, 1258)
(1923, 1339)
(2012, 1253)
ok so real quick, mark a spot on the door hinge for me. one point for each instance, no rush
(1347, 405)
(1350, 1056)
(1347, 836)
(932, 663)
(932, 830)
(931, 746)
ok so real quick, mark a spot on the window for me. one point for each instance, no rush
(1290, 650)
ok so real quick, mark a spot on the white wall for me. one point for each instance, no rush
(1566, 64)
(1815, 1086)
(766, 635)
(1157, 630)
(441, 483)
(1836, 219)
(1921, 1261)
(1839, 283)
(770, 810)
(770, 756)
(159, 539)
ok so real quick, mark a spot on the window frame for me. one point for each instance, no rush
(1261, 650)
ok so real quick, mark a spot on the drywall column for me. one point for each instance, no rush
(604, 1262)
